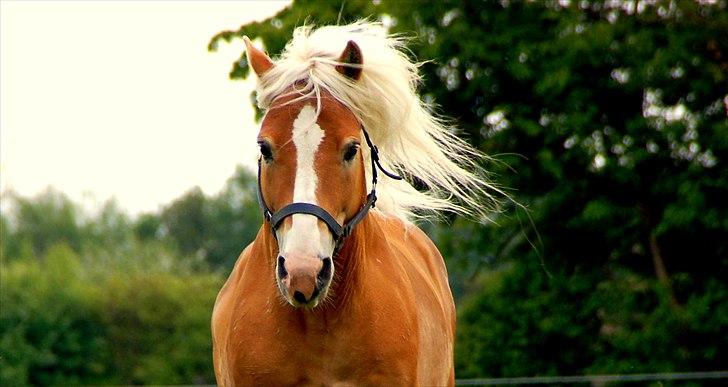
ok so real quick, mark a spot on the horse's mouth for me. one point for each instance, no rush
(298, 300)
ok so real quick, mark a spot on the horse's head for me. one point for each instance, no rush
(309, 154)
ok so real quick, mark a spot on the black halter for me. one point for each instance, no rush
(336, 229)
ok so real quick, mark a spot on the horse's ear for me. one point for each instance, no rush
(258, 60)
(351, 56)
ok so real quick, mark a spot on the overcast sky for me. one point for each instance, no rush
(122, 99)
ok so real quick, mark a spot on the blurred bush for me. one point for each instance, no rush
(99, 298)
(68, 321)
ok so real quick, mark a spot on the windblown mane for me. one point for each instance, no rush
(411, 139)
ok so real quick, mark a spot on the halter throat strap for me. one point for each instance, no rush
(338, 231)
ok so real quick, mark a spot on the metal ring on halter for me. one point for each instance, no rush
(339, 232)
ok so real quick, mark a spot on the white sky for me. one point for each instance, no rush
(122, 99)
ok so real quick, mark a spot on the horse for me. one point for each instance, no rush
(340, 287)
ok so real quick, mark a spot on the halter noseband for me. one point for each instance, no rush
(339, 231)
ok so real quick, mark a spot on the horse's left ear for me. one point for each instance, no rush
(351, 56)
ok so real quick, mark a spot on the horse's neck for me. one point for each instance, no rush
(349, 264)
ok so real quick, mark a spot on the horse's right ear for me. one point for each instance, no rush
(257, 59)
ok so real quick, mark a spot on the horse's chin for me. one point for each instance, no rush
(309, 305)
(314, 303)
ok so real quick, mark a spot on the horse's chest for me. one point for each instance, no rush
(287, 355)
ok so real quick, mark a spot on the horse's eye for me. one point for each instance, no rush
(351, 152)
(265, 150)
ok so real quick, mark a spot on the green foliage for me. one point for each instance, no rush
(217, 228)
(157, 326)
(500, 336)
(69, 320)
(184, 220)
(100, 300)
(106, 299)
(47, 336)
(586, 323)
(233, 220)
(41, 222)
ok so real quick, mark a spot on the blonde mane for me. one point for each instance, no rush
(411, 139)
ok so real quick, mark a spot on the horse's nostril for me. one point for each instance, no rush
(298, 296)
(282, 272)
(325, 273)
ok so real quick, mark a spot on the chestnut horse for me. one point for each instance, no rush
(339, 287)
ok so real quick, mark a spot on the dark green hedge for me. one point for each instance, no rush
(68, 320)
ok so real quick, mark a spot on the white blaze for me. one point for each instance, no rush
(304, 236)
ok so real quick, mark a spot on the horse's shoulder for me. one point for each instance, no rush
(220, 310)
(222, 318)
(238, 279)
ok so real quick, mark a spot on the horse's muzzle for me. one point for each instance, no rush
(303, 280)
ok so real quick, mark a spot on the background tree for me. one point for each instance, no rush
(41, 222)
(89, 303)
(215, 229)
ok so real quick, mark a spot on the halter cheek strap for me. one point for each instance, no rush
(339, 232)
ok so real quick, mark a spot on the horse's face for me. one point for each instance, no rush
(317, 160)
